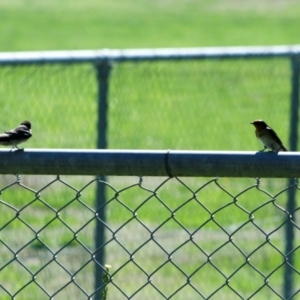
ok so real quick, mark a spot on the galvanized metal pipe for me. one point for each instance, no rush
(103, 69)
(288, 287)
(150, 163)
(50, 57)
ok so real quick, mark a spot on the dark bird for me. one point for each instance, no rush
(17, 135)
(268, 136)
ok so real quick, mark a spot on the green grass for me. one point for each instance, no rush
(193, 105)
(126, 24)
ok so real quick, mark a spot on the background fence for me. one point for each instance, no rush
(154, 99)
(144, 99)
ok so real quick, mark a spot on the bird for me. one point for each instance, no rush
(267, 136)
(16, 136)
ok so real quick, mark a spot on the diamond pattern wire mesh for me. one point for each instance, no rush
(166, 238)
(179, 95)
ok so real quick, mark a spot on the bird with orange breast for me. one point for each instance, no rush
(268, 136)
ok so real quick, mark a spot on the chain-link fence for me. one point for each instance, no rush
(153, 99)
(162, 237)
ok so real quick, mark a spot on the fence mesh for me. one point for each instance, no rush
(59, 100)
(186, 104)
(197, 104)
(165, 238)
(179, 238)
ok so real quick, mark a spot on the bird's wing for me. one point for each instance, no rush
(20, 132)
(275, 136)
(4, 137)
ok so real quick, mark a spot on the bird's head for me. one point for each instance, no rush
(27, 124)
(259, 124)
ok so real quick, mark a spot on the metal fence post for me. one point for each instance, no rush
(103, 71)
(291, 203)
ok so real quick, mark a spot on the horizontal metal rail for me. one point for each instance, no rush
(42, 57)
(150, 163)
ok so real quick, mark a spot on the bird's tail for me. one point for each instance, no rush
(283, 148)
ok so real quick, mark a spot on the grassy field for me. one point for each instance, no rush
(204, 105)
(124, 24)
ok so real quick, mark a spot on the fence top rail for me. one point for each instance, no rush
(150, 163)
(42, 57)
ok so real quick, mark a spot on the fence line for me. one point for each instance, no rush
(151, 163)
(42, 57)
(161, 163)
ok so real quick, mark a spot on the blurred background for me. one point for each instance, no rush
(188, 105)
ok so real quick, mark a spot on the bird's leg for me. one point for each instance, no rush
(273, 150)
(263, 149)
(17, 148)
